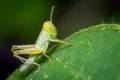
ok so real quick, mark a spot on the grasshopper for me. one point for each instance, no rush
(48, 34)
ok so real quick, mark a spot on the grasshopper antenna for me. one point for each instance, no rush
(51, 13)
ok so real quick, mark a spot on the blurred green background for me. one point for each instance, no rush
(21, 22)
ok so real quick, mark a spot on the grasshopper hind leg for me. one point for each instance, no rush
(26, 49)
(27, 61)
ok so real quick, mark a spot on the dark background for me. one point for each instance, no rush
(21, 22)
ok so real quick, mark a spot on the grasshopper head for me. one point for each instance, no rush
(50, 28)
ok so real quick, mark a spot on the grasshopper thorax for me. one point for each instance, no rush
(50, 28)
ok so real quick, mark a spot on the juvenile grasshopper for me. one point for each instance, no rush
(48, 34)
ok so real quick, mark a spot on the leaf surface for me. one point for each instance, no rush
(95, 55)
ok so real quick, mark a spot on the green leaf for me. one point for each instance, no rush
(95, 55)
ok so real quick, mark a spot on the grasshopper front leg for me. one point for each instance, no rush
(60, 41)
